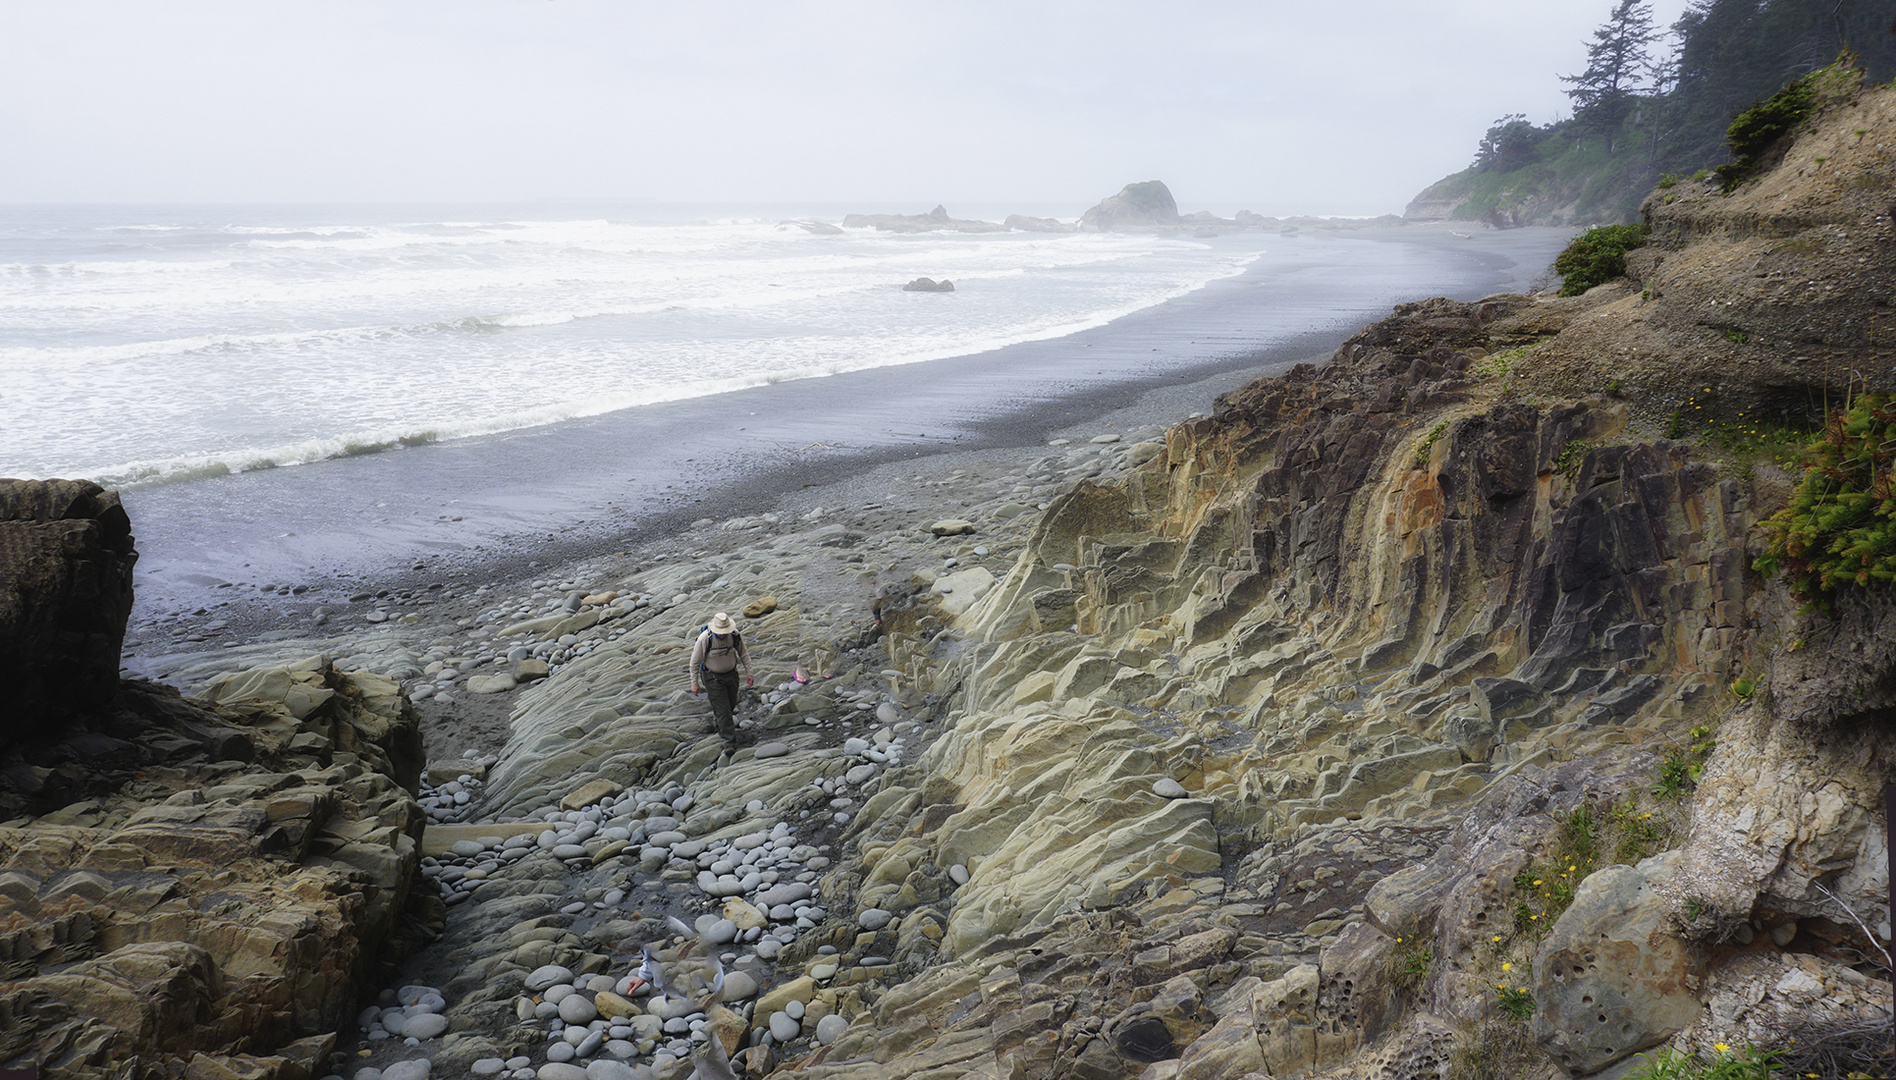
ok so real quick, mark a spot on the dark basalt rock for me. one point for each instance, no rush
(66, 560)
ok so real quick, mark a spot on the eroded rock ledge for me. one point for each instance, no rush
(185, 888)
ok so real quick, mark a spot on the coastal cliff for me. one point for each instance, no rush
(1354, 731)
(1415, 714)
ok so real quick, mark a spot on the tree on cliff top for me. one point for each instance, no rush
(1603, 94)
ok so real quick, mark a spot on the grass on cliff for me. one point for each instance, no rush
(1839, 530)
(1408, 964)
(1497, 1052)
(1728, 1064)
(1585, 840)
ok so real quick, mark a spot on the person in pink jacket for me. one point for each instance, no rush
(714, 662)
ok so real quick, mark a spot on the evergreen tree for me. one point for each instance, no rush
(1603, 94)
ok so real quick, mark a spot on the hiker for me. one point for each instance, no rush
(714, 661)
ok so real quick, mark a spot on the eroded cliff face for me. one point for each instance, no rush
(1267, 760)
(185, 888)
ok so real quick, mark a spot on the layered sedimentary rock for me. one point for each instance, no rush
(184, 888)
(1252, 756)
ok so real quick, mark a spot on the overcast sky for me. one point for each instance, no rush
(1315, 106)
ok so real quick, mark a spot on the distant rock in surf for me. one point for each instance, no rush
(1038, 224)
(1139, 207)
(936, 220)
(922, 284)
(809, 225)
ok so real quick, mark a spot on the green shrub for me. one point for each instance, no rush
(1571, 456)
(1637, 836)
(1758, 128)
(1684, 764)
(1597, 256)
(1840, 528)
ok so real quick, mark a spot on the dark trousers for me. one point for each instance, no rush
(721, 688)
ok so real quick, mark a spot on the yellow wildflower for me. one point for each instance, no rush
(1721, 1047)
(1497, 937)
(1507, 967)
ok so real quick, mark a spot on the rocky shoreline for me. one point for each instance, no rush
(562, 835)
(1415, 714)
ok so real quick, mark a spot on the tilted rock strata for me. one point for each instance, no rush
(206, 914)
(1390, 593)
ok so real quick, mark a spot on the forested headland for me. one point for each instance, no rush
(1654, 101)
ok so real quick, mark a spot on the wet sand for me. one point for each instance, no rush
(501, 510)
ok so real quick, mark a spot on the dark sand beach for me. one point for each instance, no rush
(504, 508)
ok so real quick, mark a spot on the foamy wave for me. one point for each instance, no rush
(150, 473)
(109, 268)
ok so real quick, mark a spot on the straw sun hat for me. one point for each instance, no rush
(722, 623)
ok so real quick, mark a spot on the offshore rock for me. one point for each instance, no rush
(1140, 207)
(936, 220)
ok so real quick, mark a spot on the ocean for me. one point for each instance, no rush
(143, 345)
(333, 396)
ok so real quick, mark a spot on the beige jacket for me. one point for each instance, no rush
(716, 657)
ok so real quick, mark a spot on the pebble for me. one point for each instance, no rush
(541, 978)
(958, 874)
(418, 1069)
(578, 1009)
(1169, 788)
(783, 1028)
(873, 918)
(424, 1026)
(495, 1066)
(771, 750)
(830, 1028)
(739, 985)
(554, 1070)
